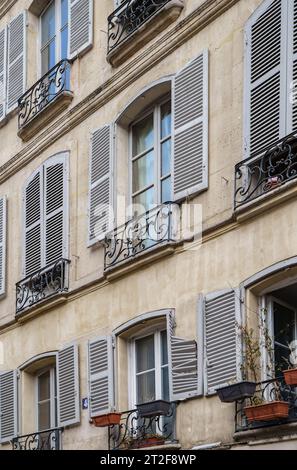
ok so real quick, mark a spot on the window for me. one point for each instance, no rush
(151, 158)
(46, 400)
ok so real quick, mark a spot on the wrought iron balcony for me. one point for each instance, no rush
(41, 285)
(44, 440)
(266, 171)
(129, 17)
(135, 432)
(273, 390)
(140, 234)
(49, 88)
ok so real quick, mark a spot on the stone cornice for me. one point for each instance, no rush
(5, 6)
(125, 77)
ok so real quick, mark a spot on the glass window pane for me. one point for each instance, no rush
(64, 12)
(143, 135)
(145, 387)
(145, 354)
(166, 119)
(48, 57)
(165, 384)
(143, 202)
(44, 386)
(164, 351)
(48, 26)
(166, 157)
(143, 171)
(44, 416)
(166, 190)
(284, 326)
(64, 43)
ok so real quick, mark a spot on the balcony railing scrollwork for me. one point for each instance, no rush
(41, 285)
(42, 93)
(261, 174)
(129, 17)
(45, 440)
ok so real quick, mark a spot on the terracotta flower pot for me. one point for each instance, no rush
(106, 420)
(290, 377)
(267, 411)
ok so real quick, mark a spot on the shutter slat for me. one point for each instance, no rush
(33, 231)
(8, 406)
(16, 60)
(81, 27)
(190, 117)
(68, 386)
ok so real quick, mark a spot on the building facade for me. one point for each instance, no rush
(146, 148)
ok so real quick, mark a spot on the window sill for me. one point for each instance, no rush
(145, 32)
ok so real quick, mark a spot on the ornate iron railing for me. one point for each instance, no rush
(153, 228)
(130, 16)
(41, 285)
(43, 92)
(135, 432)
(267, 391)
(269, 170)
(44, 440)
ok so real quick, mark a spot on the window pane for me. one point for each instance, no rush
(166, 157)
(64, 12)
(143, 202)
(145, 354)
(143, 171)
(146, 387)
(166, 190)
(44, 416)
(284, 325)
(143, 135)
(44, 386)
(166, 119)
(48, 57)
(64, 43)
(165, 384)
(164, 352)
(48, 24)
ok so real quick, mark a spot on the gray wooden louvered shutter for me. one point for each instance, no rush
(292, 66)
(80, 28)
(101, 184)
(8, 405)
(3, 49)
(16, 59)
(56, 209)
(183, 365)
(221, 339)
(265, 81)
(101, 375)
(190, 118)
(33, 206)
(68, 386)
(3, 219)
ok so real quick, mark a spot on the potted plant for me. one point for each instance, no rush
(150, 440)
(237, 391)
(107, 419)
(290, 375)
(153, 408)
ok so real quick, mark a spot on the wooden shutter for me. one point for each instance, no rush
(100, 186)
(3, 48)
(190, 120)
(33, 205)
(183, 365)
(8, 405)
(265, 77)
(3, 219)
(16, 69)
(292, 66)
(222, 345)
(81, 27)
(68, 386)
(101, 375)
(56, 213)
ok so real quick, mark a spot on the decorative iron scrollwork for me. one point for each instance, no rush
(44, 440)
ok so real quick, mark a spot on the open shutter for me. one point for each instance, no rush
(2, 244)
(3, 47)
(56, 209)
(183, 365)
(16, 71)
(81, 27)
(101, 375)
(33, 227)
(292, 66)
(68, 386)
(265, 82)
(100, 185)
(190, 105)
(222, 344)
(8, 405)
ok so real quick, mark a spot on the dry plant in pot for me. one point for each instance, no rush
(290, 375)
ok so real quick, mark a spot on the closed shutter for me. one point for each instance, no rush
(183, 365)
(33, 224)
(100, 189)
(101, 375)
(16, 69)
(8, 405)
(81, 27)
(190, 105)
(3, 46)
(266, 84)
(292, 67)
(68, 386)
(3, 219)
(55, 175)
(222, 344)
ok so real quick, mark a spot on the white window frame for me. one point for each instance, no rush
(53, 397)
